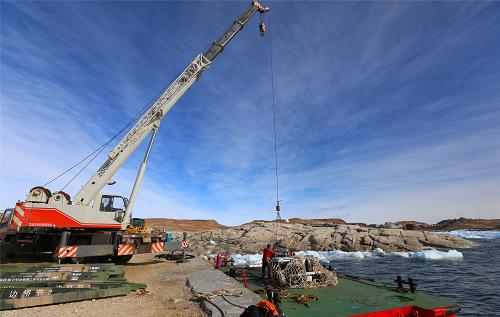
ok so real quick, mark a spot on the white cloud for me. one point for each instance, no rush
(359, 125)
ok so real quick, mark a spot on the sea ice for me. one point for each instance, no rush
(400, 254)
(433, 254)
(247, 259)
(327, 256)
(379, 252)
(474, 234)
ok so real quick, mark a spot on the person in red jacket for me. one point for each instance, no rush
(268, 253)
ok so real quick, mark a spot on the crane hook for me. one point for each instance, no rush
(262, 28)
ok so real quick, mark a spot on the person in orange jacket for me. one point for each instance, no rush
(264, 308)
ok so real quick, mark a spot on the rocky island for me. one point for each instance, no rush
(251, 237)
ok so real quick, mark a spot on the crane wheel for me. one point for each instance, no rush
(79, 260)
(121, 259)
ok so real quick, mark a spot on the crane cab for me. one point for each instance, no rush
(5, 216)
(112, 205)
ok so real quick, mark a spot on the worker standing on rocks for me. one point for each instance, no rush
(268, 253)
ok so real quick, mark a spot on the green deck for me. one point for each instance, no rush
(351, 297)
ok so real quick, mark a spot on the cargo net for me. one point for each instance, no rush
(301, 272)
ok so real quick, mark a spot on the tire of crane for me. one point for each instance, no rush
(77, 260)
(3, 256)
(176, 257)
(121, 259)
(95, 259)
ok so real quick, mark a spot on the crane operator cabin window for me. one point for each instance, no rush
(112, 203)
(6, 217)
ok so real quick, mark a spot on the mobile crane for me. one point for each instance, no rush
(94, 224)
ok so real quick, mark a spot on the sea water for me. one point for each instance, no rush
(471, 277)
(473, 280)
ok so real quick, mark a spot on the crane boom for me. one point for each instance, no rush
(152, 117)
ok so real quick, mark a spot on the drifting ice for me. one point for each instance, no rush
(327, 256)
(472, 234)
(427, 254)
(433, 254)
(247, 259)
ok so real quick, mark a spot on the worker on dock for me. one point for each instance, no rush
(267, 254)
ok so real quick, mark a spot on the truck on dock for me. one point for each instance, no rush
(98, 226)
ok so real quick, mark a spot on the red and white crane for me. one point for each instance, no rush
(94, 224)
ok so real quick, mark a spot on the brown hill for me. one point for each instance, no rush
(465, 223)
(181, 225)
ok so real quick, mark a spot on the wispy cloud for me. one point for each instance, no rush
(384, 110)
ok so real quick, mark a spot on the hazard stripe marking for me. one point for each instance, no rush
(16, 220)
(67, 252)
(157, 247)
(72, 253)
(20, 211)
(126, 249)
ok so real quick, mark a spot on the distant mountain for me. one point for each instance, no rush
(188, 225)
(465, 223)
(181, 225)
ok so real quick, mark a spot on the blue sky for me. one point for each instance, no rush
(385, 110)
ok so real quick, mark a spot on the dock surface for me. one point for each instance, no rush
(203, 278)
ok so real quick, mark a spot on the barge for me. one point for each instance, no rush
(351, 296)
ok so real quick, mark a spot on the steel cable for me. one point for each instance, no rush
(97, 151)
(274, 110)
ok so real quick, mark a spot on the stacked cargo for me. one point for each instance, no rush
(27, 286)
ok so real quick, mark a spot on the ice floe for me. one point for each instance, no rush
(247, 259)
(327, 256)
(433, 254)
(474, 234)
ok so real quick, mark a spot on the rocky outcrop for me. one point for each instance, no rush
(251, 238)
(465, 223)
(293, 221)
(327, 221)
